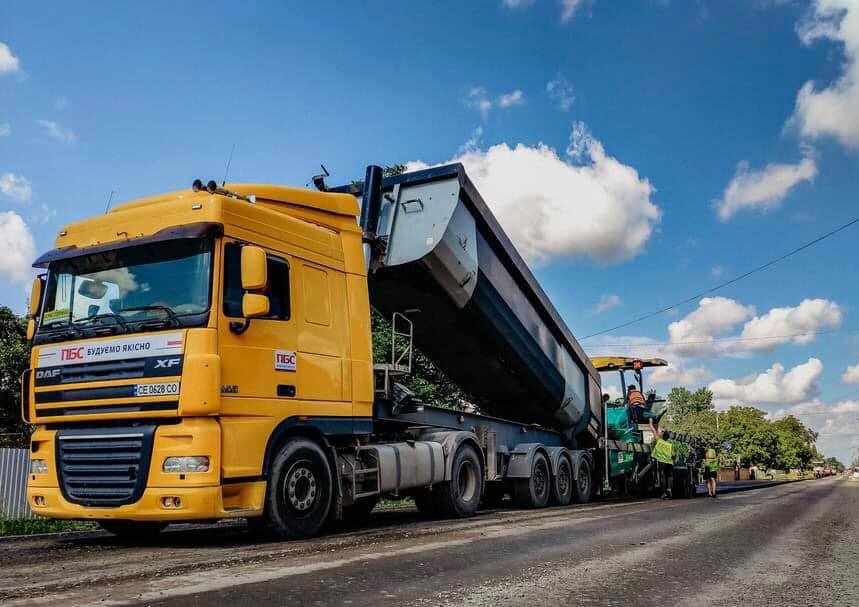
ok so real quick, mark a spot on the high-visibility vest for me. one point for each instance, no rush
(635, 398)
(711, 462)
(662, 451)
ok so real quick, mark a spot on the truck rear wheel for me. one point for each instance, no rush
(460, 496)
(133, 531)
(299, 496)
(584, 483)
(562, 483)
(534, 492)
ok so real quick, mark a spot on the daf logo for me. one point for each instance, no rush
(47, 373)
(167, 363)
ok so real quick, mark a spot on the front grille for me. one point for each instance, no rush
(152, 366)
(104, 467)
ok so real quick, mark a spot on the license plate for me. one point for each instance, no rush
(167, 388)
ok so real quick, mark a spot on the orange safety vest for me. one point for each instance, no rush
(635, 398)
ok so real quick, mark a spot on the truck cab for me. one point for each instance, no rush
(181, 334)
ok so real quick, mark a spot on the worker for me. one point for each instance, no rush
(634, 397)
(711, 470)
(664, 453)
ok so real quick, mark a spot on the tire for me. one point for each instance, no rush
(134, 531)
(300, 492)
(534, 492)
(460, 496)
(359, 512)
(563, 482)
(584, 483)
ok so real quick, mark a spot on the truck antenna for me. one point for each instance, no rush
(109, 200)
(229, 162)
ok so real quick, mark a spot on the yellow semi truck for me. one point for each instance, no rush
(207, 354)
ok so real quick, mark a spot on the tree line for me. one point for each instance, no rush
(745, 434)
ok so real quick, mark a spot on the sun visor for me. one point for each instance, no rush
(202, 229)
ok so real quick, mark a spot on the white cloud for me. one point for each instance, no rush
(5, 129)
(765, 189)
(834, 109)
(516, 3)
(569, 8)
(16, 187)
(55, 131)
(676, 374)
(713, 317)
(551, 208)
(8, 61)
(18, 247)
(511, 99)
(561, 92)
(478, 99)
(717, 271)
(473, 141)
(774, 386)
(809, 316)
(851, 375)
(606, 302)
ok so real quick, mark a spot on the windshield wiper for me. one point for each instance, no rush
(120, 321)
(171, 317)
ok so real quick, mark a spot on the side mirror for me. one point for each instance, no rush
(31, 329)
(254, 305)
(36, 297)
(254, 269)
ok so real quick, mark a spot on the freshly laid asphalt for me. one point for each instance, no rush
(791, 544)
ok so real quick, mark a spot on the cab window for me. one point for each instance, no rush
(277, 289)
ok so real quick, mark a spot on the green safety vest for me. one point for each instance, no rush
(662, 451)
(711, 462)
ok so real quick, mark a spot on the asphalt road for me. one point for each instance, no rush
(794, 544)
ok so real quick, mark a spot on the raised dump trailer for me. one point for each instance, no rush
(207, 354)
(439, 257)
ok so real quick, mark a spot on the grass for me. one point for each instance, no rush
(42, 525)
(400, 503)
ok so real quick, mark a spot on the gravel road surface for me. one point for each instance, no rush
(793, 544)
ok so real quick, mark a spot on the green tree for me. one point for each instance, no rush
(14, 359)
(683, 403)
(751, 436)
(795, 444)
(426, 380)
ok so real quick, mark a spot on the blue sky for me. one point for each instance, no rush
(681, 145)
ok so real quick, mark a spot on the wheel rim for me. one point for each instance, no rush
(540, 479)
(300, 488)
(467, 481)
(584, 481)
(564, 479)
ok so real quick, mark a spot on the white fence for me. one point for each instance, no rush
(14, 468)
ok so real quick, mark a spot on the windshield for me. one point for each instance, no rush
(138, 288)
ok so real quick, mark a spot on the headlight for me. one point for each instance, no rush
(186, 463)
(38, 466)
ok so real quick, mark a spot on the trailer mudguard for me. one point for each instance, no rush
(522, 458)
(450, 441)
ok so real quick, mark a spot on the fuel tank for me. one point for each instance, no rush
(439, 256)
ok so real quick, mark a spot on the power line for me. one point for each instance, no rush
(723, 339)
(722, 285)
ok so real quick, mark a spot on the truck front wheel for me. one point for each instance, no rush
(299, 497)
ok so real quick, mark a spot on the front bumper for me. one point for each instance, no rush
(201, 496)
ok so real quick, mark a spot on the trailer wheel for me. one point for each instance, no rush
(299, 496)
(133, 531)
(584, 483)
(562, 483)
(460, 496)
(534, 492)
